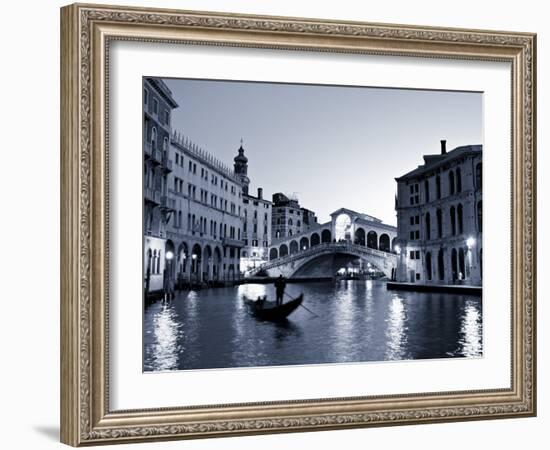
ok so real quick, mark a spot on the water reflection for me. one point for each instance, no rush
(354, 321)
(165, 345)
(470, 343)
(396, 329)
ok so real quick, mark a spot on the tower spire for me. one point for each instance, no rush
(240, 168)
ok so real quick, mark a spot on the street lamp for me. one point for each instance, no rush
(193, 268)
(167, 273)
(470, 242)
(397, 249)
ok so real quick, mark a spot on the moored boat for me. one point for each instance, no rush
(266, 310)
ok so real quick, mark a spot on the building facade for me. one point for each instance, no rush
(440, 219)
(158, 104)
(205, 233)
(289, 218)
(256, 220)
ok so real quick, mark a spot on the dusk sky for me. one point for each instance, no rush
(332, 146)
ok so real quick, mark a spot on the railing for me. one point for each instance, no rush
(154, 154)
(152, 195)
(322, 248)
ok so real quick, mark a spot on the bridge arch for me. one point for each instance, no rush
(273, 254)
(360, 237)
(323, 261)
(326, 236)
(283, 250)
(384, 243)
(315, 239)
(304, 243)
(372, 239)
(293, 247)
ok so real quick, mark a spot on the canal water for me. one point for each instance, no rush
(355, 321)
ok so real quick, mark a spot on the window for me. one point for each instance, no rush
(427, 190)
(459, 214)
(417, 254)
(412, 220)
(411, 254)
(417, 276)
(427, 222)
(451, 182)
(166, 117)
(154, 138)
(417, 220)
(145, 96)
(438, 187)
(411, 235)
(155, 106)
(452, 215)
(417, 234)
(439, 224)
(458, 180)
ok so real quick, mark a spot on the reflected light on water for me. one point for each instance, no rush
(396, 329)
(253, 291)
(470, 344)
(166, 331)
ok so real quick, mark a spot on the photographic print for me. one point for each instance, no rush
(290, 224)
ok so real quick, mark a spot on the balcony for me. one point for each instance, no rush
(167, 164)
(232, 242)
(152, 154)
(151, 195)
(167, 203)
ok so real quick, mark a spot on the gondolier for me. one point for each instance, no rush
(280, 285)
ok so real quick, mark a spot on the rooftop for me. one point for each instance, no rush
(434, 161)
(184, 143)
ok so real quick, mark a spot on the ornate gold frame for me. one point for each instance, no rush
(86, 31)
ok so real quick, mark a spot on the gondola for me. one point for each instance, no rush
(265, 310)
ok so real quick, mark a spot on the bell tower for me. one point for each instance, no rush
(241, 168)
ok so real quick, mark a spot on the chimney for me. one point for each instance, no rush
(260, 193)
(443, 146)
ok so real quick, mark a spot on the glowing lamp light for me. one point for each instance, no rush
(397, 249)
(194, 256)
(470, 242)
(169, 255)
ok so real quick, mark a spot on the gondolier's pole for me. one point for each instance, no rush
(307, 309)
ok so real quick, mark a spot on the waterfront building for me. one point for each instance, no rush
(289, 218)
(206, 229)
(256, 220)
(439, 219)
(158, 104)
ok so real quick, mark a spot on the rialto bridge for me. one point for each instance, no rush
(318, 252)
